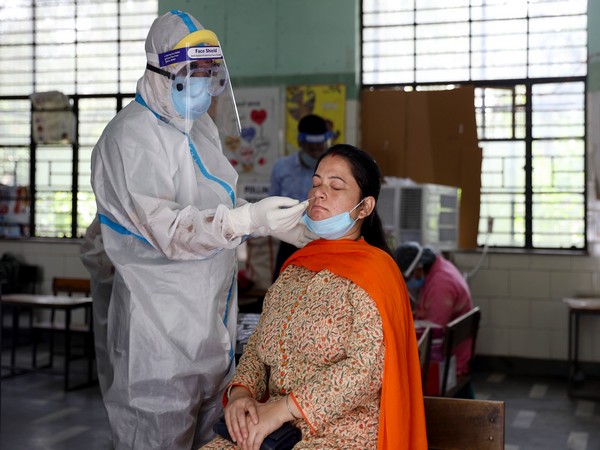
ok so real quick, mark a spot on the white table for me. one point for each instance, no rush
(53, 303)
(578, 306)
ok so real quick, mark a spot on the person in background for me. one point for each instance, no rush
(292, 175)
(335, 349)
(170, 224)
(441, 292)
(98, 264)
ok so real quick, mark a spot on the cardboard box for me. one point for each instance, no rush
(429, 137)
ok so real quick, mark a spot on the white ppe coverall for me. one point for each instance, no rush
(164, 191)
(98, 264)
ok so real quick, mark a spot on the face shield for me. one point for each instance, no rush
(413, 265)
(200, 81)
(308, 138)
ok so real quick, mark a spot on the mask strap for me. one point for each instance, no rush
(357, 205)
(169, 75)
(413, 264)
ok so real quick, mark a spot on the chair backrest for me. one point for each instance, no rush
(71, 286)
(463, 424)
(458, 331)
(424, 345)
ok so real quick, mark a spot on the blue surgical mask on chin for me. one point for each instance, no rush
(199, 98)
(333, 227)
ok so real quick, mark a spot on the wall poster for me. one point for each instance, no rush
(256, 150)
(327, 101)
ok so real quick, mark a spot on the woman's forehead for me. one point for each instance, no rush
(334, 167)
(334, 163)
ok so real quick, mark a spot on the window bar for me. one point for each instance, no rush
(75, 172)
(32, 144)
(513, 91)
(528, 166)
(32, 166)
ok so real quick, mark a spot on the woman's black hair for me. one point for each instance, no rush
(368, 177)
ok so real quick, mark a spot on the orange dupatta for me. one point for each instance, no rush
(402, 414)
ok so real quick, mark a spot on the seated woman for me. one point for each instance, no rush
(335, 350)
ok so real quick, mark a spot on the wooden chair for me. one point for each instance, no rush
(459, 330)
(424, 345)
(70, 287)
(461, 424)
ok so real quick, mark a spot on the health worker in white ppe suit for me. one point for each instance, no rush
(170, 224)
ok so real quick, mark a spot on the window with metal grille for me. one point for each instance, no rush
(93, 52)
(528, 62)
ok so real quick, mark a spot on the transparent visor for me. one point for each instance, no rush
(201, 84)
(224, 113)
(213, 70)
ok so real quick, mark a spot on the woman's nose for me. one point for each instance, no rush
(319, 192)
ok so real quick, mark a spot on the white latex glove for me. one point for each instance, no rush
(298, 236)
(276, 214)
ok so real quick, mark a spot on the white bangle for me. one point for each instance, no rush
(287, 397)
(229, 391)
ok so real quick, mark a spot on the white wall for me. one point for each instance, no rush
(523, 314)
(57, 259)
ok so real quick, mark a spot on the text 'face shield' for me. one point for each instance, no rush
(212, 69)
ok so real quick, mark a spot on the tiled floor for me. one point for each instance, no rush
(37, 414)
(539, 413)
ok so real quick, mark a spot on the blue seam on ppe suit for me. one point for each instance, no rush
(186, 19)
(120, 228)
(232, 349)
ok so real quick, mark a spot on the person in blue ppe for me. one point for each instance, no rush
(292, 175)
(170, 224)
